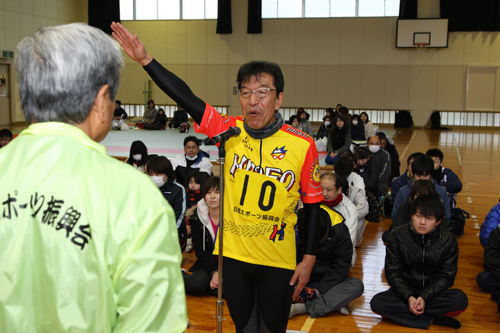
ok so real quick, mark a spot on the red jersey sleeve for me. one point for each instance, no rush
(213, 122)
(310, 184)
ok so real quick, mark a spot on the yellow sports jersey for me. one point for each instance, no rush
(264, 180)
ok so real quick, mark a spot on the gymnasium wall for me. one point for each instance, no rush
(352, 61)
(21, 18)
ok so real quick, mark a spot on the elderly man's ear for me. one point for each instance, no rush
(98, 122)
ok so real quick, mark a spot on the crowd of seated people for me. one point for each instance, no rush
(423, 195)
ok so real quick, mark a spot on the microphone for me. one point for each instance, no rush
(224, 136)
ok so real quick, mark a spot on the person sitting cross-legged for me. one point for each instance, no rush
(329, 288)
(420, 267)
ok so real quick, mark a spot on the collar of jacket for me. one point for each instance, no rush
(422, 239)
(63, 129)
(265, 131)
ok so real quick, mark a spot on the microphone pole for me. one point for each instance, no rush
(221, 139)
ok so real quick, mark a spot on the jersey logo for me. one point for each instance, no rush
(224, 117)
(314, 179)
(279, 153)
(280, 233)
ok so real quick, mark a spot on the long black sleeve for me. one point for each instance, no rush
(311, 212)
(177, 89)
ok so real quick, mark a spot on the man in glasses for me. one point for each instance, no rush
(271, 166)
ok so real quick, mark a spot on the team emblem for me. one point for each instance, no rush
(279, 153)
(314, 179)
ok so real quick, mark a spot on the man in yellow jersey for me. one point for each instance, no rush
(76, 254)
(270, 167)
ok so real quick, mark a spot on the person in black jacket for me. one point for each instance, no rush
(204, 226)
(329, 288)
(403, 215)
(357, 128)
(180, 118)
(324, 129)
(162, 173)
(162, 118)
(367, 170)
(489, 279)
(420, 266)
(391, 149)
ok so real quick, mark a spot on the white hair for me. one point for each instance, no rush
(62, 68)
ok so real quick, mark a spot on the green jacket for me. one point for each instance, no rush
(87, 243)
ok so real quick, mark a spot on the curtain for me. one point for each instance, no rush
(466, 15)
(254, 17)
(408, 9)
(224, 23)
(102, 13)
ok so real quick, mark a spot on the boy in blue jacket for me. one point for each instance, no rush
(444, 176)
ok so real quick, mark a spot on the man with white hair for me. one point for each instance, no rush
(75, 252)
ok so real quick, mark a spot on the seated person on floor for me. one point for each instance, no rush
(162, 119)
(405, 177)
(149, 118)
(180, 119)
(420, 267)
(331, 184)
(204, 226)
(119, 116)
(382, 160)
(344, 112)
(161, 172)
(193, 159)
(329, 112)
(357, 128)
(403, 215)
(324, 129)
(444, 176)
(489, 279)
(195, 182)
(329, 288)
(369, 127)
(358, 198)
(491, 221)
(422, 168)
(367, 170)
(5, 137)
(339, 140)
(345, 167)
(138, 155)
(304, 124)
(294, 121)
(389, 147)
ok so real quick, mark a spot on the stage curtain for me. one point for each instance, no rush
(254, 25)
(102, 13)
(408, 9)
(224, 23)
(466, 15)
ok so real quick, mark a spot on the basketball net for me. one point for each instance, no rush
(420, 47)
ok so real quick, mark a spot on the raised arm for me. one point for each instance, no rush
(171, 84)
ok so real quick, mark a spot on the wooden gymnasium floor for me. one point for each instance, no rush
(474, 156)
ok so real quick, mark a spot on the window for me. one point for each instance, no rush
(168, 9)
(329, 8)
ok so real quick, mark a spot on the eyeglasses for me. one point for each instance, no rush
(260, 92)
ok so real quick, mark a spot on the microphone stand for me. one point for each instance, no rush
(220, 302)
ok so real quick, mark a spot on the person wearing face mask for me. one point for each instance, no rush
(382, 160)
(162, 174)
(192, 160)
(357, 128)
(367, 170)
(138, 155)
(324, 129)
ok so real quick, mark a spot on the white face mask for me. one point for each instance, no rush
(158, 180)
(355, 122)
(374, 149)
(327, 123)
(137, 157)
(191, 158)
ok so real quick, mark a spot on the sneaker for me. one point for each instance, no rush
(189, 245)
(344, 310)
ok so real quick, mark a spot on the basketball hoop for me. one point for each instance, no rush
(420, 46)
